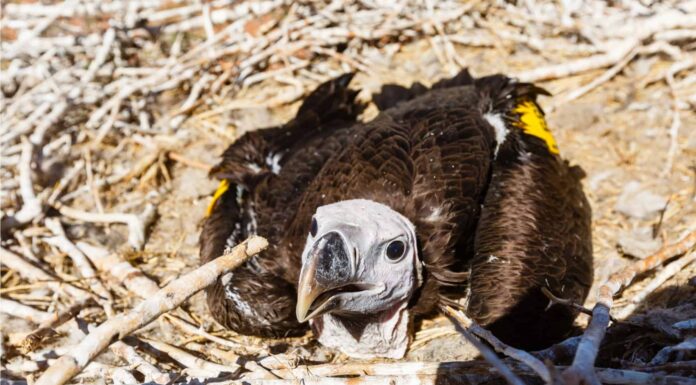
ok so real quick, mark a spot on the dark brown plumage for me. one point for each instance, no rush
(499, 219)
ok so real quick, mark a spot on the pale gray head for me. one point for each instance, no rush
(360, 258)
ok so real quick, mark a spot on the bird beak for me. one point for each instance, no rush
(327, 269)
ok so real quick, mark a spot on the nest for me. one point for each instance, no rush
(113, 111)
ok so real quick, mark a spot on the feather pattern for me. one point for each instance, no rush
(496, 216)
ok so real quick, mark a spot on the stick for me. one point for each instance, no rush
(189, 162)
(22, 311)
(199, 366)
(435, 373)
(164, 300)
(464, 322)
(689, 324)
(662, 277)
(47, 326)
(62, 242)
(605, 77)
(33, 273)
(31, 205)
(520, 355)
(151, 373)
(189, 328)
(581, 371)
(615, 53)
(676, 119)
(133, 279)
(137, 224)
(561, 351)
(663, 355)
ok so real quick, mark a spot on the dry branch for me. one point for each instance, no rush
(195, 365)
(148, 370)
(19, 310)
(615, 53)
(61, 241)
(133, 279)
(47, 326)
(464, 323)
(520, 355)
(34, 274)
(145, 66)
(432, 373)
(189, 328)
(164, 300)
(668, 272)
(137, 224)
(31, 206)
(582, 370)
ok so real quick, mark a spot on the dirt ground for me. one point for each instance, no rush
(641, 183)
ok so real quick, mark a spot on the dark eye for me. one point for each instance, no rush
(395, 250)
(314, 228)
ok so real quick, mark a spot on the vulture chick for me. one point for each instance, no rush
(455, 194)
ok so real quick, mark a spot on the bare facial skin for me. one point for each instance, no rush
(360, 263)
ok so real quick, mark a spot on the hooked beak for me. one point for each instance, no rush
(326, 275)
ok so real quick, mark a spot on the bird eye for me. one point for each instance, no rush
(314, 228)
(395, 250)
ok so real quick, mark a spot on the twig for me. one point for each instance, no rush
(689, 324)
(134, 359)
(121, 376)
(164, 300)
(31, 206)
(434, 373)
(137, 224)
(133, 279)
(519, 355)
(464, 323)
(582, 369)
(33, 273)
(61, 241)
(668, 272)
(605, 77)
(22, 311)
(563, 350)
(199, 366)
(189, 162)
(614, 54)
(47, 326)
(187, 327)
(663, 355)
(139, 284)
(100, 57)
(676, 119)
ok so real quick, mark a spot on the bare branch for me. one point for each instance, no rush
(582, 370)
(164, 300)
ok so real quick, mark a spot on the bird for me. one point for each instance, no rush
(453, 194)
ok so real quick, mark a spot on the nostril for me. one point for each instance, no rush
(333, 264)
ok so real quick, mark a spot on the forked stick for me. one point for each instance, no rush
(32, 206)
(520, 355)
(582, 369)
(166, 299)
(462, 325)
(137, 224)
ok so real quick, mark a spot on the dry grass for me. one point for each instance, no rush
(112, 111)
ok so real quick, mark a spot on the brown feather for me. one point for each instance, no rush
(430, 156)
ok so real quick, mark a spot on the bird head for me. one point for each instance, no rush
(360, 258)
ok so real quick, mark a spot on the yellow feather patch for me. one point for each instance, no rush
(532, 123)
(222, 188)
